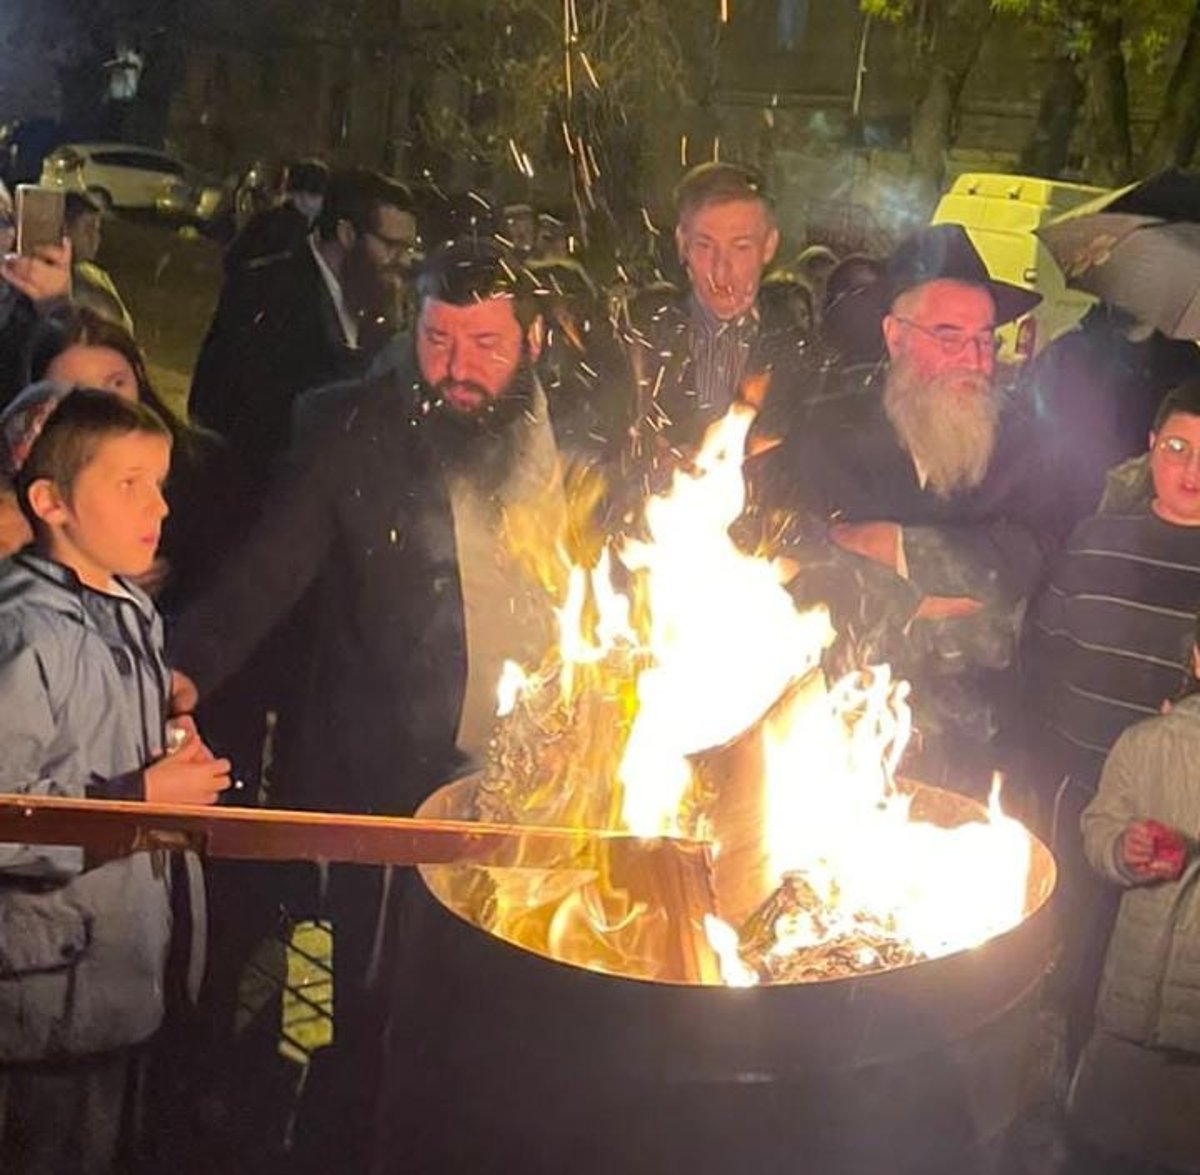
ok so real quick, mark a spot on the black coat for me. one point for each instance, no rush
(845, 463)
(268, 235)
(275, 334)
(359, 527)
(658, 340)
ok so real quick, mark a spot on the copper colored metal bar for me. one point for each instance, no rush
(113, 828)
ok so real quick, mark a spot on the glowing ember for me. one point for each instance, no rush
(700, 709)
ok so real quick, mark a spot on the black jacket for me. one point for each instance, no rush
(988, 544)
(269, 235)
(359, 527)
(658, 337)
(275, 334)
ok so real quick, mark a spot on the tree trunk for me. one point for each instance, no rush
(1110, 151)
(953, 38)
(1045, 153)
(1178, 126)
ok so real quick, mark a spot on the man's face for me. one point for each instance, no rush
(1175, 468)
(725, 248)
(85, 236)
(469, 355)
(378, 260)
(110, 521)
(945, 329)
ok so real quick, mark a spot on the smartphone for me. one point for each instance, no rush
(40, 215)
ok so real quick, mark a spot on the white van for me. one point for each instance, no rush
(1000, 213)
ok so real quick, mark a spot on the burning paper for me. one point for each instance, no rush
(695, 705)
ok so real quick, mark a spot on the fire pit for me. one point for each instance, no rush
(515, 1061)
(624, 1017)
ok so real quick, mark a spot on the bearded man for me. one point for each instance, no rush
(303, 319)
(917, 504)
(389, 521)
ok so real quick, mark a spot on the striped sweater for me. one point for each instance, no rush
(1112, 633)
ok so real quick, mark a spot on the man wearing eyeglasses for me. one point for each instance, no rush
(302, 320)
(915, 501)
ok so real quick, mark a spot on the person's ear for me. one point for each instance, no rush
(1153, 440)
(772, 245)
(892, 328)
(535, 337)
(1196, 661)
(681, 244)
(47, 502)
(346, 234)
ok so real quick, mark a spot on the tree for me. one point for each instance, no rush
(1107, 53)
(1178, 126)
(947, 36)
(538, 97)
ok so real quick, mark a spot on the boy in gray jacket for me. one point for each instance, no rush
(83, 713)
(1137, 1087)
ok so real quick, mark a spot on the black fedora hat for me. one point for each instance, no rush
(944, 252)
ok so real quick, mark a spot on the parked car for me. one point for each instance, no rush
(1000, 213)
(24, 146)
(120, 175)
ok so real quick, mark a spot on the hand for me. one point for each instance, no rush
(1152, 851)
(877, 541)
(189, 775)
(947, 607)
(184, 694)
(43, 277)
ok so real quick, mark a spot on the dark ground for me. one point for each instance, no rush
(169, 280)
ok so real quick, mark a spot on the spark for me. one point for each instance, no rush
(683, 151)
(724, 11)
(588, 66)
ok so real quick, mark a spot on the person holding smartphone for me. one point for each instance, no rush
(33, 284)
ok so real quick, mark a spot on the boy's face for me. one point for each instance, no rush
(110, 520)
(1175, 468)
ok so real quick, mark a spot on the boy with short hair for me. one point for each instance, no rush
(83, 713)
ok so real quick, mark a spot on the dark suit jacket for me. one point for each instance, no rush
(275, 334)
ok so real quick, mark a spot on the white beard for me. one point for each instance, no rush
(948, 424)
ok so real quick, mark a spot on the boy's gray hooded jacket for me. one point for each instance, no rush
(83, 689)
(1151, 988)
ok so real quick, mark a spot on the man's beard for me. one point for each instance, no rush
(481, 445)
(947, 423)
(372, 294)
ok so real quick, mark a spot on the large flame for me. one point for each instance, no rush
(725, 651)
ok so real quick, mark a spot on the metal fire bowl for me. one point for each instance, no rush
(512, 1061)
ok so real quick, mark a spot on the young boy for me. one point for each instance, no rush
(83, 713)
(1138, 1084)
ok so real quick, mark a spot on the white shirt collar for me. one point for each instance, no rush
(348, 322)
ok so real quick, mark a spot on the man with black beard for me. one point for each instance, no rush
(915, 503)
(305, 319)
(390, 519)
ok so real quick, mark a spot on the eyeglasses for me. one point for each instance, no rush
(1176, 450)
(954, 342)
(394, 246)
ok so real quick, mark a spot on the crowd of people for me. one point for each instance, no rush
(305, 586)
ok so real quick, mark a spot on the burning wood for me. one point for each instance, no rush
(769, 941)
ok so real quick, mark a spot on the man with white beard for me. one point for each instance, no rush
(914, 503)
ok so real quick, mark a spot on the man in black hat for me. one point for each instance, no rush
(912, 500)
